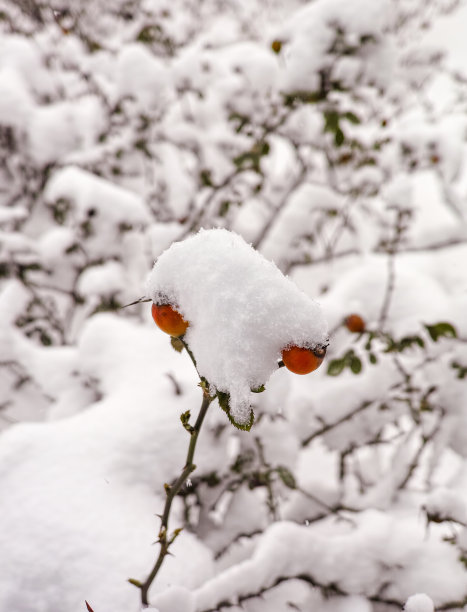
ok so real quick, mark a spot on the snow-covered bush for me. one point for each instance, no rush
(330, 135)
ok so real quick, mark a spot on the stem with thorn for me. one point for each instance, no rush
(165, 540)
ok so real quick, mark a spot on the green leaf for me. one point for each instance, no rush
(185, 419)
(211, 479)
(177, 344)
(259, 389)
(339, 137)
(373, 358)
(331, 121)
(398, 346)
(408, 341)
(205, 178)
(352, 117)
(355, 365)
(461, 369)
(439, 330)
(264, 148)
(224, 208)
(287, 477)
(336, 367)
(224, 399)
(371, 337)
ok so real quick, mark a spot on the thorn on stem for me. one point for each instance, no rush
(88, 606)
(140, 301)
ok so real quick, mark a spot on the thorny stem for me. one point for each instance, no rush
(187, 348)
(165, 540)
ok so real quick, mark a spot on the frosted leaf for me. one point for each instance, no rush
(242, 312)
(419, 603)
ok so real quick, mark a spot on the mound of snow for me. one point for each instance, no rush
(242, 311)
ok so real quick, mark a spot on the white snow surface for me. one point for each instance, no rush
(444, 504)
(419, 603)
(241, 309)
(117, 138)
(79, 494)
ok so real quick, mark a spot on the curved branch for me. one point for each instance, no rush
(327, 589)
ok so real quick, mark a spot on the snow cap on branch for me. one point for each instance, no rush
(419, 603)
(242, 312)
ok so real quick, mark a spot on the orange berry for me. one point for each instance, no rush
(302, 360)
(355, 323)
(169, 320)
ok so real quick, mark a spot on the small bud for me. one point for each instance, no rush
(276, 46)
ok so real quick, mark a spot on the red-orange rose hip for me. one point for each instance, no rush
(302, 360)
(355, 323)
(169, 320)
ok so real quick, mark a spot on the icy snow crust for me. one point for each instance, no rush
(242, 311)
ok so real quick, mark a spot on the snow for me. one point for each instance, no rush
(52, 245)
(105, 280)
(304, 203)
(15, 100)
(445, 505)
(58, 129)
(142, 76)
(175, 599)
(241, 311)
(362, 290)
(124, 128)
(310, 33)
(324, 557)
(87, 190)
(8, 214)
(419, 603)
(106, 207)
(89, 480)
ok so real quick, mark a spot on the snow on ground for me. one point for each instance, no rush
(83, 520)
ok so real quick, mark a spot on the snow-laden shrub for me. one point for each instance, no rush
(330, 136)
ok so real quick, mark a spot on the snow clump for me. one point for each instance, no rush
(446, 505)
(242, 312)
(419, 603)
